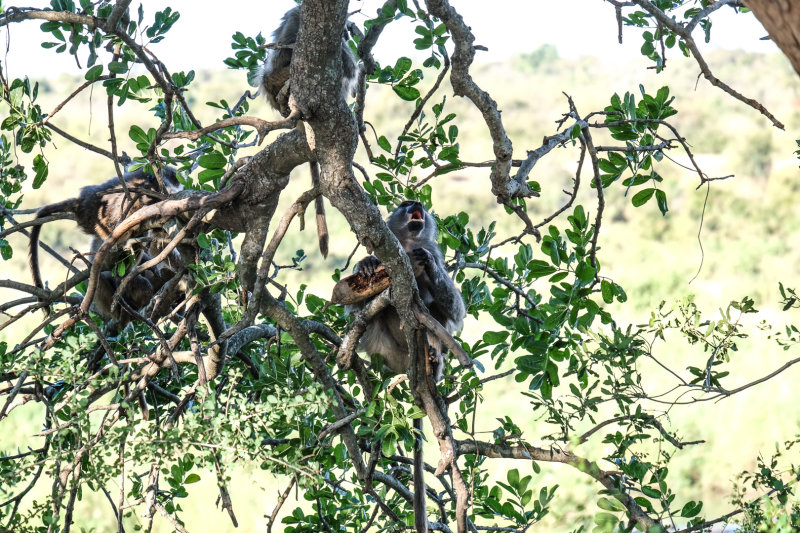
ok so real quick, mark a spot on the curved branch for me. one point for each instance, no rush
(590, 468)
(684, 32)
(503, 187)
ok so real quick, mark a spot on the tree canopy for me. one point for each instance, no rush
(238, 361)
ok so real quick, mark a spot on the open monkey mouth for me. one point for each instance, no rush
(416, 220)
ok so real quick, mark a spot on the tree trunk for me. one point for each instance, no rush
(781, 19)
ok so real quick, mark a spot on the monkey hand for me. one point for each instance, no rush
(367, 265)
(421, 261)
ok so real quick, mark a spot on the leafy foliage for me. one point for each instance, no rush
(135, 407)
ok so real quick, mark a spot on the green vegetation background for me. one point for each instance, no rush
(749, 243)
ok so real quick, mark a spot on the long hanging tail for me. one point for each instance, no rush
(420, 515)
(322, 224)
(67, 206)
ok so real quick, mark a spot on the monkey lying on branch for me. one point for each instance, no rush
(98, 209)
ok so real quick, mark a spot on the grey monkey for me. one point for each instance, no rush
(274, 73)
(272, 77)
(98, 209)
(416, 230)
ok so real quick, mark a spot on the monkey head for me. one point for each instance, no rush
(411, 224)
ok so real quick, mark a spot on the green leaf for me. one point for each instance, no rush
(663, 93)
(213, 160)
(608, 504)
(93, 73)
(210, 174)
(651, 492)
(138, 135)
(607, 290)
(691, 509)
(191, 478)
(203, 241)
(5, 250)
(42, 169)
(513, 477)
(607, 166)
(402, 66)
(641, 197)
(661, 199)
(117, 67)
(408, 94)
(383, 142)
(585, 273)
(495, 337)
(15, 96)
(539, 268)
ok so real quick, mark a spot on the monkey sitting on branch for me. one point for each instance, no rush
(416, 230)
(98, 209)
(273, 77)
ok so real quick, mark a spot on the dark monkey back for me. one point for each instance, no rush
(99, 208)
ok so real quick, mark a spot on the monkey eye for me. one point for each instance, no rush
(406, 203)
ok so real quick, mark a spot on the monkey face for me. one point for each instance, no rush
(415, 216)
(410, 221)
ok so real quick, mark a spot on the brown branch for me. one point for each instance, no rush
(281, 499)
(457, 396)
(682, 31)
(437, 329)
(340, 423)
(82, 144)
(463, 85)
(19, 14)
(531, 453)
(262, 126)
(116, 15)
(72, 95)
(224, 495)
(648, 419)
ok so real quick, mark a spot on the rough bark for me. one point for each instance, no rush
(781, 19)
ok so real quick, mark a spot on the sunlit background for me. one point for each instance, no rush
(536, 50)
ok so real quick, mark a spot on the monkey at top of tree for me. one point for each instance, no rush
(272, 78)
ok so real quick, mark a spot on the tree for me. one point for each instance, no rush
(240, 366)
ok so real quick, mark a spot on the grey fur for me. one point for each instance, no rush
(98, 209)
(274, 73)
(416, 230)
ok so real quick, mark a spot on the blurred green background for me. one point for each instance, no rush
(749, 239)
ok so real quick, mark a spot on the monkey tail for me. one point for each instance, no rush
(319, 204)
(67, 206)
(420, 515)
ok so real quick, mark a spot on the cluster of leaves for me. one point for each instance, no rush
(657, 42)
(94, 39)
(637, 126)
